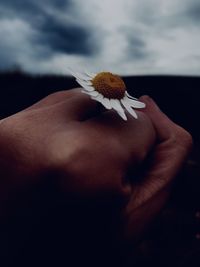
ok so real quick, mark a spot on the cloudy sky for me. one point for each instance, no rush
(123, 36)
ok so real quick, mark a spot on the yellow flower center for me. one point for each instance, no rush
(109, 85)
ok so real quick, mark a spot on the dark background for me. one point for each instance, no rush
(173, 240)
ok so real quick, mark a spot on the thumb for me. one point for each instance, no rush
(174, 144)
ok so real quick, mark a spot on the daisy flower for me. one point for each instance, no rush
(110, 90)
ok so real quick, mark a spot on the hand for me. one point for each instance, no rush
(67, 136)
(92, 154)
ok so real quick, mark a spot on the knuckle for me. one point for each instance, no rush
(185, 137)
(182, 138)
(78, 154)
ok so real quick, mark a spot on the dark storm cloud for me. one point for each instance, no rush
(136, 44)
(58, 37)
(136, 48)
(48, 35)
(192, 12)
(51, 33)
(25, 8)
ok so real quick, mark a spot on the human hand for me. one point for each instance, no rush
(66, 135)
(90, 154)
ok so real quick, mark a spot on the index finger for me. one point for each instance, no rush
(168, 156)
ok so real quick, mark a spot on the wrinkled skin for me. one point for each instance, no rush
(93, 153)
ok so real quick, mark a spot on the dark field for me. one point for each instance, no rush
(174, 239)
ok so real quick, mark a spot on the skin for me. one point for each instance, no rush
(93, 154)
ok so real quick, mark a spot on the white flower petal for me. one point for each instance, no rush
(89, 88)
(130, 96)
(73, 73)
(85, 92)
(98, 98)
(90, 74)
(77, 75)
(117, 106)
(106, 103)
(122, 115)
(83, 82)
(134, 103)
(94, 93)
(128, 108)
(83, 76)
(84, 85)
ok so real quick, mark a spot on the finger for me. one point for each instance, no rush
(169, 154)
(55, 98)
(165, 127)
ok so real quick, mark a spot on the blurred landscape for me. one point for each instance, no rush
(174, 240)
